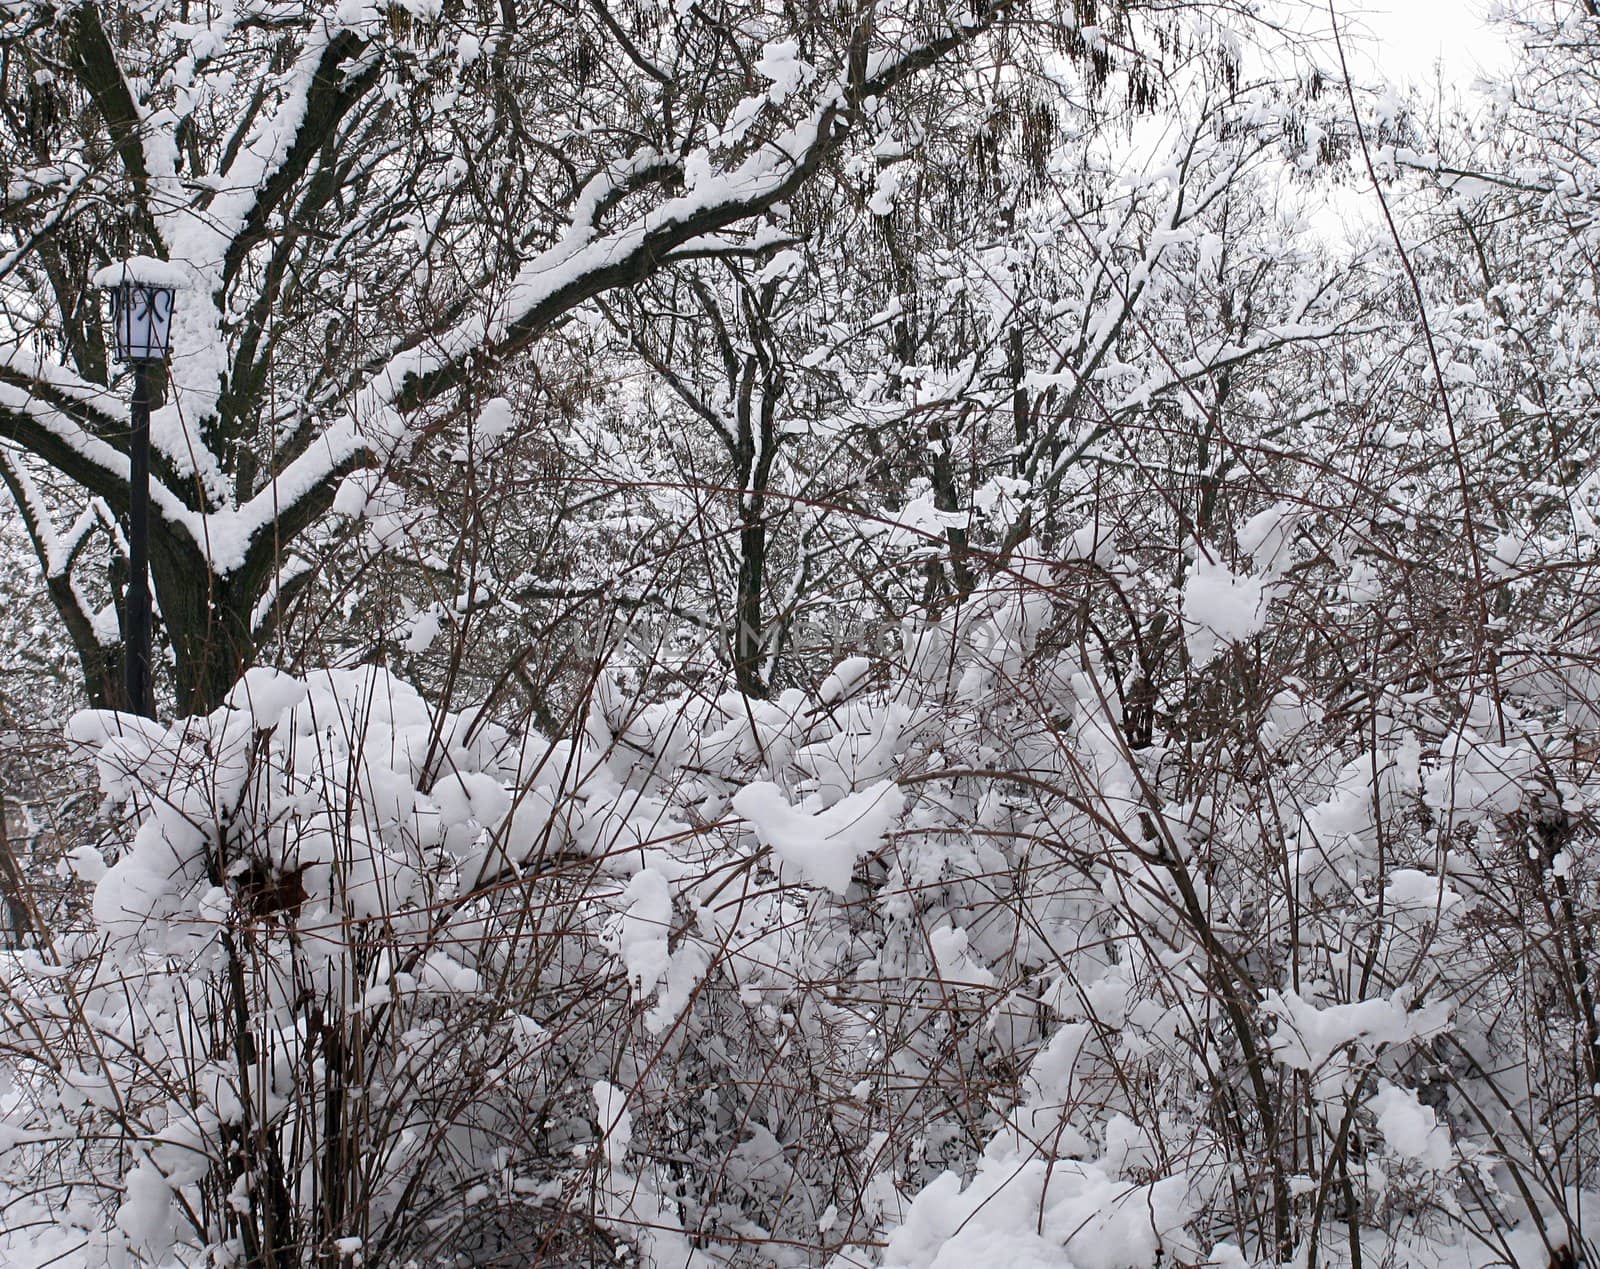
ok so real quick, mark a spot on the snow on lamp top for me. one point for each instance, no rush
(142, 292)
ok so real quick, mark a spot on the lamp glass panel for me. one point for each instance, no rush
(141, 317)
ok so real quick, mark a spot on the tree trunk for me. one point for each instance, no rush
(207, 622)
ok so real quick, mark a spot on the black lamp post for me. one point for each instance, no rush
(142, 294)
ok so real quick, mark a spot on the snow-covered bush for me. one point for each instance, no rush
(932, 966)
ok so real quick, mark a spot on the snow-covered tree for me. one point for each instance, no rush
(374, 207)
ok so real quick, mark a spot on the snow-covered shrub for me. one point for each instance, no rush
(936, 965)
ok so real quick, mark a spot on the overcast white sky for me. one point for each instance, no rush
(1407, 37)
(1413, 35)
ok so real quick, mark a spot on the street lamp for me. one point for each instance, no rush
(142, 295)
